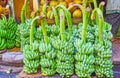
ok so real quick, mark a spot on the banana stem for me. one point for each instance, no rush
(95, 3)
(100, 31)
(44, 8)
(67, 14)
(95, 6)
(33, 23)
(44, 11)
(101, 5)
(22, 14)
(44, 22)
(56, 16)
(23, 11)
(27, 13)
(100, 23)
(85, 18)
(77, 5)
(85, 3)
(85, 24)
(62, 24)
(44, 30)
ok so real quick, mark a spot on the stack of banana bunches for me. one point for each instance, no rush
(64, 48)
(7, 33)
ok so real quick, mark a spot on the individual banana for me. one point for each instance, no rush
(3, 44)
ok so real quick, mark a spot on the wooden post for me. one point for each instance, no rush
(35, 5)
(11, 3)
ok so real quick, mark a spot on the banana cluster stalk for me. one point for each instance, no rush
(7, 33)
(48, 55)
(84, 56)
(83, 43)
(31, 50)
(31, 58)
(103, 53)
(46, 50)
(63, 47)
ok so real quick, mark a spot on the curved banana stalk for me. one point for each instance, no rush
(62, 24)
(95, 3)
(85, 3)
(32, 29)
(104, 67)
(55, 15)
(67, 14)
(76, 5)
(85, 24)
(101, 22)
(23, 11)
(85, 18)
(26, 12)
(84, 55)
(101, 5)
(44, 22)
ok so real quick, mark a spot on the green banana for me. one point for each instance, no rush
(3, 44)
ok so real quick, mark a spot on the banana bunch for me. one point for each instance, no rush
(2, 43)
(65, 58)
(23, 33)
(107, 31)
(90, 32)
(84, 57)
(48, 29)
(7, 32)
(57, 43)
(54, 30)
(48, 66)
(31, 58)
(47, 61)
(103, 53)
(38, 34)
(10, 43)
(17, 36)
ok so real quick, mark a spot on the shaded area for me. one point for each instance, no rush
(116, 51)
(114, 20)
(116, 58)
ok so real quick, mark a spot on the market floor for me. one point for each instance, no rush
(5, 75)
(115, 58)
(116, 51)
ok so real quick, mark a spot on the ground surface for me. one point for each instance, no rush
(115, 58)
(11, 75)
(116, 51)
